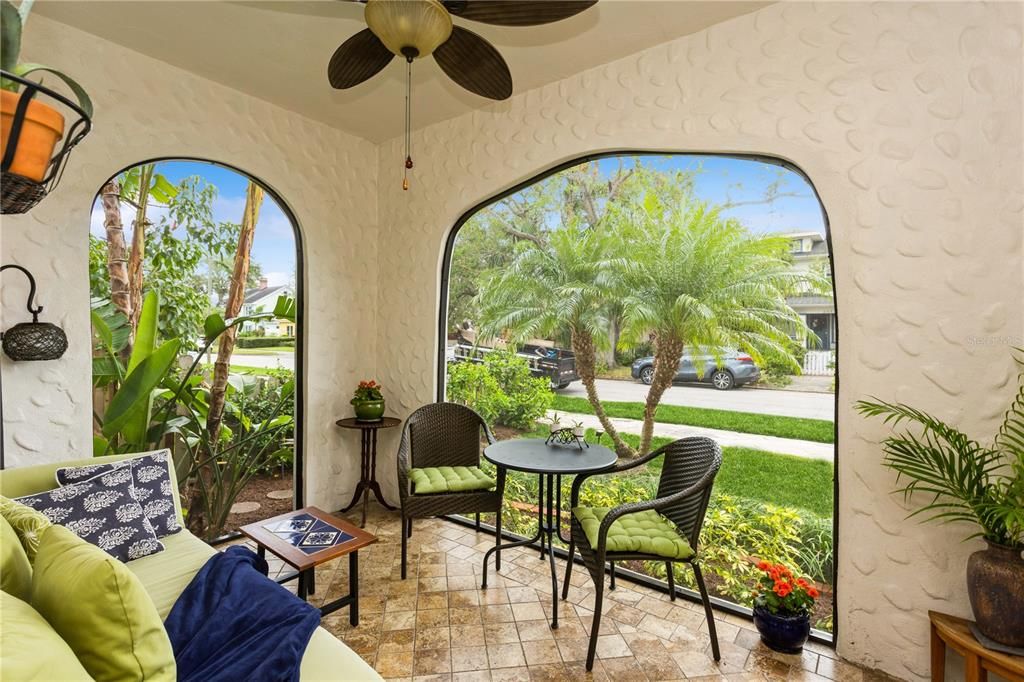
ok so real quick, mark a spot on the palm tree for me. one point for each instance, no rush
(696, 280)
(563, 286)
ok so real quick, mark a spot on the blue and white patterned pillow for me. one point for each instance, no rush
(102, 511)
(153, 486)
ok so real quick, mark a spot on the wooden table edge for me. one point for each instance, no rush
(954, 632)
(295, 557)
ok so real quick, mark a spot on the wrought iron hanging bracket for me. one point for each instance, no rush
(33, 310)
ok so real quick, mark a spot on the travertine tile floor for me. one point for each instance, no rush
(439, 625)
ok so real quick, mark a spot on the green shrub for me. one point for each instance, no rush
(626, 356)
(252, 400)
(265, 341)
(815, 554)
(737, 533)
(501, 389)
(777, 365)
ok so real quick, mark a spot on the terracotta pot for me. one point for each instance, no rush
(995, 584)
(42, 129)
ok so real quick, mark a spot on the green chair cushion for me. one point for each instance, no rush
(643, 532)
(430, 480)
(100, 609)
(27, 523)
(15, 569)
(32, 650)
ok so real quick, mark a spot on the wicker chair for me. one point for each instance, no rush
(683, 493)
(444, 435)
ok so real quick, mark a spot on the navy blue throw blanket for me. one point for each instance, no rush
(232, 622)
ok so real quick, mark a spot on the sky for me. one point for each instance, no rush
(274, 245)
(723, 179)
(719, 179)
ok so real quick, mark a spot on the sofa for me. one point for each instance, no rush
(166, 574)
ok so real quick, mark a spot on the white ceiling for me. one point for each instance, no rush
(278, 50)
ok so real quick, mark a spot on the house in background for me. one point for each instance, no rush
(262, 300)
(809, 251)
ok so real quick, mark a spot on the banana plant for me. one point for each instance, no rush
(12, 22)
(125, 422)
(145, 406)
(111, 334)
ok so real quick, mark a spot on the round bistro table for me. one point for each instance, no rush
(550, 462)
(368, 459)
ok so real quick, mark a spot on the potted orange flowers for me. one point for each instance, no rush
(782, 608)
(368, 401)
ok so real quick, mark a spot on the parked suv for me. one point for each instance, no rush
(736, 369)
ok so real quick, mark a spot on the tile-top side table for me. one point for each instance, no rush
(308, 537)
(368, 459)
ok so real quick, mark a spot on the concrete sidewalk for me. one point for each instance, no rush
(786, 446)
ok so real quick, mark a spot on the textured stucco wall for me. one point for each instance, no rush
(146, 109)
(908, 120)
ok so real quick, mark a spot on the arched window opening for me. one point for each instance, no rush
(561, 297)
(195, 280)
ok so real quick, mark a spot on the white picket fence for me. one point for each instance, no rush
(820, 363)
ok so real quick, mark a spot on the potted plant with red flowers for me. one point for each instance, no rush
(782, 608)
(368, 401)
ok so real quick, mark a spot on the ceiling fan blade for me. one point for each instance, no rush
(475, 64)
(357, 59)
(517, 12)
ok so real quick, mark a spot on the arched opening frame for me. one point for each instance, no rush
(298, 488)
(442, 330)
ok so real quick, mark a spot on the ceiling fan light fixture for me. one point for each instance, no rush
(409, 28)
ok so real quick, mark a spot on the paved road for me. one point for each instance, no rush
(761, 401)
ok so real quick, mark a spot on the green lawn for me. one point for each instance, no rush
(818, 430)
(768, 477)
(263, 351)
(244, 369)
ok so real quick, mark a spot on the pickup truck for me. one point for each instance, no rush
(557, 365)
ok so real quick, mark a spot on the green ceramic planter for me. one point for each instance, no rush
(369, 410)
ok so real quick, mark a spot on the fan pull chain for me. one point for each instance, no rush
(408, 123)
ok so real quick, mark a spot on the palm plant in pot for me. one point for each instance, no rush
(782, 608)
(43, 126)
(967, 481)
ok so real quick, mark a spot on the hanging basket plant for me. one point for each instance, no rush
(35, 136)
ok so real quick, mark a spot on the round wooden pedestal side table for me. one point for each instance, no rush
(368, 459)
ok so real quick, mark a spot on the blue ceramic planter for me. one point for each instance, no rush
(785, 634)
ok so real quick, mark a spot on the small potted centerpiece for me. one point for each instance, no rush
(782, 608)
(368, 401)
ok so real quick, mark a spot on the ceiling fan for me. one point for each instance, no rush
(414, 29)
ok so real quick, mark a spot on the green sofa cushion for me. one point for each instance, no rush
(32, 650)
(100, 609)
(166, 575)
(15, 570)
(430, 480)
(28, 524)
(644, 532)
